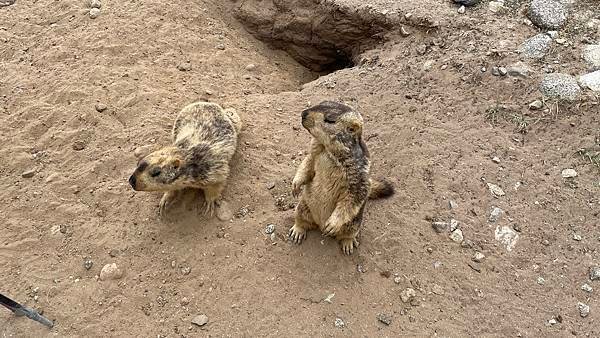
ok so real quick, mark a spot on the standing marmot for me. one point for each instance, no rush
(205, 137)
(335, 175)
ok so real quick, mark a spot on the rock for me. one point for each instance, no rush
(452, 204)
(184, 66)
(95, 4)
(587, 288)
(398, 280)
(496, 159)
(503, 71)
(560, 86)
(506, 236)
(421, 49)
(28, 173)
(110, 271)
(577, 237)
(220, 46)
(339, 323)
(407, 295)
(495, 214)
(271, 185)
(250, 67)
(186, 270)
(185, 301)
(584, 309)
(496, 7)
(457, 236)
(200, 320)
(568, 173)
(88, 263)
(94, 13)
(595, 273)
(540, 280)
(100, 107)
(519, 69)
(461, 10)
(404, 31)
(329, 298)
(536, 105)
(547, 14)
(478, 257)
(4, 3)
(536, 47)
(467, 2)
(269, 229)
(467, 244)
(78, 145)
(439, 227)
(591, 55)
(385, 319)
(591, 81)
(224, 212)
(495, 190)
(495, 71)
(453, 224)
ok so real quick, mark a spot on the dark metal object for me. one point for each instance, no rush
(20, 310)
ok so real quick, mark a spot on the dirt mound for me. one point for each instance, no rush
(446, 103)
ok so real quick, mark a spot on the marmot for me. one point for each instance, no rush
(335, 176)
(205, 138)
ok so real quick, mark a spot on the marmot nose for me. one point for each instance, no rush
(132, 181)
(304, 115)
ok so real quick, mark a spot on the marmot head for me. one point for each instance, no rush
(160, 171)
(336, 126)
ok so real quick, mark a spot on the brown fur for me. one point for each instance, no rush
(335, 176)
(205, 137)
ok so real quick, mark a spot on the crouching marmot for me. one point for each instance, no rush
(205, 138)
(335, 176)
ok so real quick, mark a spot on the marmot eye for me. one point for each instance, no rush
(351, 130)
(154, 172)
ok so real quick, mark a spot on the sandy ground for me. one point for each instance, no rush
(428, 132)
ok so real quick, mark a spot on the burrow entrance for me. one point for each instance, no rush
(321, 36)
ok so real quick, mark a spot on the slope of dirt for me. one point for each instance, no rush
(434, 122)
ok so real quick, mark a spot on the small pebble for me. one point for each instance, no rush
(595, 273)
(452, 204)
(95, 4)
(339, 323)
(541, 281)
(478, 257)
(496, 159)
(587, 288)
(457, 235)
(439, 227)
(536, 105)
(495, 214)
(568, 173)
(78, 145)
(250, 67)
(269, 229)
(94, 13)
(503, 71)
(28, 173)
(271, 185)
(584, 309)
(200, 320)
(495, 190)
(385, 319)
(110, 271)
(495, 71)
(453, 224)
(461, 10)
(185, 301)
(577, 237)
(88, 263)
(100, 107)
(186, 270)
(184, 66)
(407, 295)
(220, 46)
(397, 280)
(467, 244)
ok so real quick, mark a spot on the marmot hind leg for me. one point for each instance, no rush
(303, 222)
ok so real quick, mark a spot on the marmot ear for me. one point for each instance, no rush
(176, 163)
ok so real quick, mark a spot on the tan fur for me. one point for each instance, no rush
(335, 176)
(205, 138)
